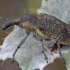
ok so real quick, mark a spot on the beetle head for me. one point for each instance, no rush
(16, 21)
(27, 19)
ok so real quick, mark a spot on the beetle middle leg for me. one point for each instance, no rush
(60, 52)
(19, 45)
(41, 39)
(46, 58)
(43, 46)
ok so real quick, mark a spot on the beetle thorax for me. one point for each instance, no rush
(28, 26)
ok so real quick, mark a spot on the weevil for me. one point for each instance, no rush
(44, 27)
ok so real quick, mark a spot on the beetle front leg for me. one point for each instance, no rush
(19, 45)
(60, 52)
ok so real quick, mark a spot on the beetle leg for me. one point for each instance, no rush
(55, 47)
(48, 50)
(60, 52)
(40, 39)
(46, 58)
(19, 45)
(36, 37)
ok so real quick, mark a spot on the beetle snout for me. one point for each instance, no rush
(7, 25)
(11, 23)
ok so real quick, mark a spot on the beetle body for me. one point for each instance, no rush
(46, 26)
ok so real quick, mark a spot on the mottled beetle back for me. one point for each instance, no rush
(54, 28)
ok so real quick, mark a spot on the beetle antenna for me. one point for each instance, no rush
(3, 18)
